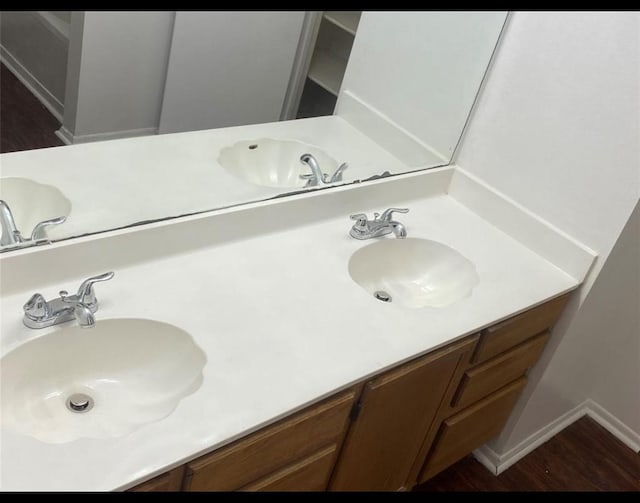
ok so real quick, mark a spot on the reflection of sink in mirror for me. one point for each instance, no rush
(273, 163)
(100, 382)
(32, 202)
(413, 272)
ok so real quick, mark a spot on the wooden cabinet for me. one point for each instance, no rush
(309, 474)
(483, 379)
(167, 482)
(478, 404)
(391, 431)
(396, 410)
(279, 455)
(473, 426)
(503, 336)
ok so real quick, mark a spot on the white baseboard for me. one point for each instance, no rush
(43, 95)
(613, 425)
(498, 463)
(70, 139)
(65, 135)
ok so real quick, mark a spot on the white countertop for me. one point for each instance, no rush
(283, 325)
(116, 183)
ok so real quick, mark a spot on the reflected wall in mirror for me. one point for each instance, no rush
(371, 94)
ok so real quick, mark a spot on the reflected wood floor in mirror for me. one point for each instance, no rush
(582, 457)
(25, 123)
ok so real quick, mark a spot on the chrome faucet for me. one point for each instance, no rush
(10, 233)
(38, 313)
(379, 226)
(317, 177)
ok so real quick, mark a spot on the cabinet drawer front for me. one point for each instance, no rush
(483, 379)
(310, 474)
(513, 331)
(169, 481)
(470, 428)
(272, 448)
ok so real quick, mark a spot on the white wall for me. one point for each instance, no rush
(611, 330)
(118, 65)
(40, 49)
(423, 69)
(556, 129)
(229, 68)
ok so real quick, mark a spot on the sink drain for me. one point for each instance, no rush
(79, 402)
(253, 146)
(382, 295)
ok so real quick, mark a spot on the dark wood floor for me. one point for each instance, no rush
(25, 123)
(582, 457)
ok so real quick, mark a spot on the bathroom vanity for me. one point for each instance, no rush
(285, 352)
(305, 370)
(397, 428)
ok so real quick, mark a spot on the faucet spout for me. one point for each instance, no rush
(40, 313)
(317, 176)
(381, 225)
(12, 236)
(398, 229)
(10, 233)
(81, 311)
(84, 316)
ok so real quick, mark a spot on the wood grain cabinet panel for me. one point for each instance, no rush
(513, 331)
(483, 379)
(310, 474)
(272, 448)
(470, 428)
(396, 410)
(167, 482)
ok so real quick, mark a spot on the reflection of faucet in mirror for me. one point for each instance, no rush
(10, 233)
(317, 177)
(379, 226)
(409, 122)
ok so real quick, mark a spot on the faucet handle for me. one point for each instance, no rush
(337, 176)
(86, 294)
(386, 214)
(38, 230)
(361, 219)
(36, 308)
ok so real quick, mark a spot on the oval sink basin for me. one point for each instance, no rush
(98, 382)
(273, 163)
(32, 202)
(413, 272)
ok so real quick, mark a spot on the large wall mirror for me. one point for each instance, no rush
(163, 114)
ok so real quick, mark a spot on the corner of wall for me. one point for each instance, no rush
(481, 87)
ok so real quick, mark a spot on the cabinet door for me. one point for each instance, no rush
(396, 411)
